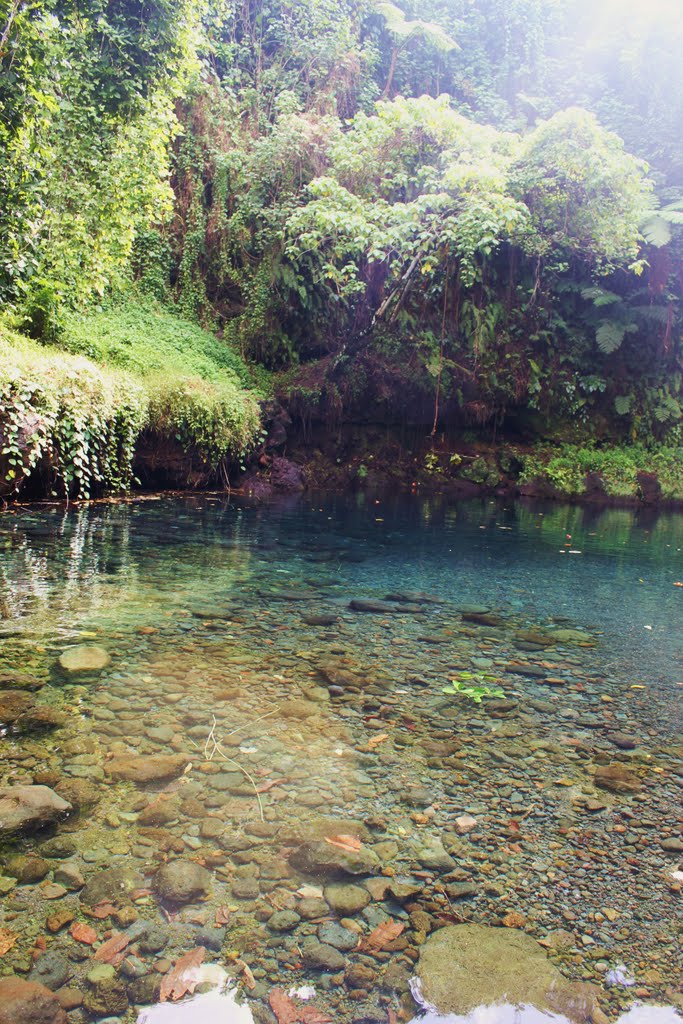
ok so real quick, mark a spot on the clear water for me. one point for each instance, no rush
(227, 623)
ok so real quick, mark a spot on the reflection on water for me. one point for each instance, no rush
(221, 1007)
(210, 1008)
(530, 1015)
(305, 726)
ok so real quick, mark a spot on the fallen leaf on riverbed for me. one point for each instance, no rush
(222, 917)
(112, 951)
(183, 976)
(287, 1011)
(7, 940)
(139, 894)
(345, 842)
(102, 910)
(249, 979)
(376, 740)
(83, 933)
(265, 786)
(382, 935)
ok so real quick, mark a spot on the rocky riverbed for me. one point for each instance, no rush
(258, 769)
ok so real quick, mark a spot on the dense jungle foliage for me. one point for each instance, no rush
(453, 214)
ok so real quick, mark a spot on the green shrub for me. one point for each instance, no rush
(76, 411)
(76, 421)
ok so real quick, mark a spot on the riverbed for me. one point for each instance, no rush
(298, 740)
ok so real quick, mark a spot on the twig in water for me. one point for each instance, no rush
(217, 749)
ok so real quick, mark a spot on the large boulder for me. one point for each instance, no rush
(29, 808)
(144, 769)
(469, 965)
(28, 1002)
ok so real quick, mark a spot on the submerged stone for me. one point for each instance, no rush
(111, 885)
(84, 660)
(319, 857)
(13, 703)
(29, 808)
(181, 881)
(28, 1002)
(617, 779)
(469, 965)
(144, 769)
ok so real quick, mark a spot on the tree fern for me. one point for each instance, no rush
(399, 26)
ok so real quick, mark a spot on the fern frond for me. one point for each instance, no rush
(599, 296)
(397, 23)
(609, 336)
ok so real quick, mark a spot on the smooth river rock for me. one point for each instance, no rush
(147, 768)
(469, 965)
(321, 858)
(28, 1002)
(181, 881)
(617, 779)
(84, 660)
(29, 808)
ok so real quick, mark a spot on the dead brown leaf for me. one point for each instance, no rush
(265, 786)
(7, 940)
(382, 935)
(113, 950)
(222, 917)
(102, 910)
(345, 842)
(182, 978)
(139, 894)
(83, 933)
(287, 1011)
(249, 979)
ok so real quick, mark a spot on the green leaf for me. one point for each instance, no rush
(609, 336)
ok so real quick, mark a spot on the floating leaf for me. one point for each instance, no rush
(183, 976)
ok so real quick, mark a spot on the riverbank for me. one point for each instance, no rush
(462, 465)
(133, 397)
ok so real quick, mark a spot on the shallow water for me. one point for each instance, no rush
(232, 643)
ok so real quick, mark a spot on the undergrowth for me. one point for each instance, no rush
(618, 468)
(72, 412)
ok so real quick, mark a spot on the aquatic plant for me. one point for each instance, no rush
(474, 686)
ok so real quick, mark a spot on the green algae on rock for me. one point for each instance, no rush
(466, 966)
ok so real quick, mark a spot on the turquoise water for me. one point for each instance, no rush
(232, 644)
